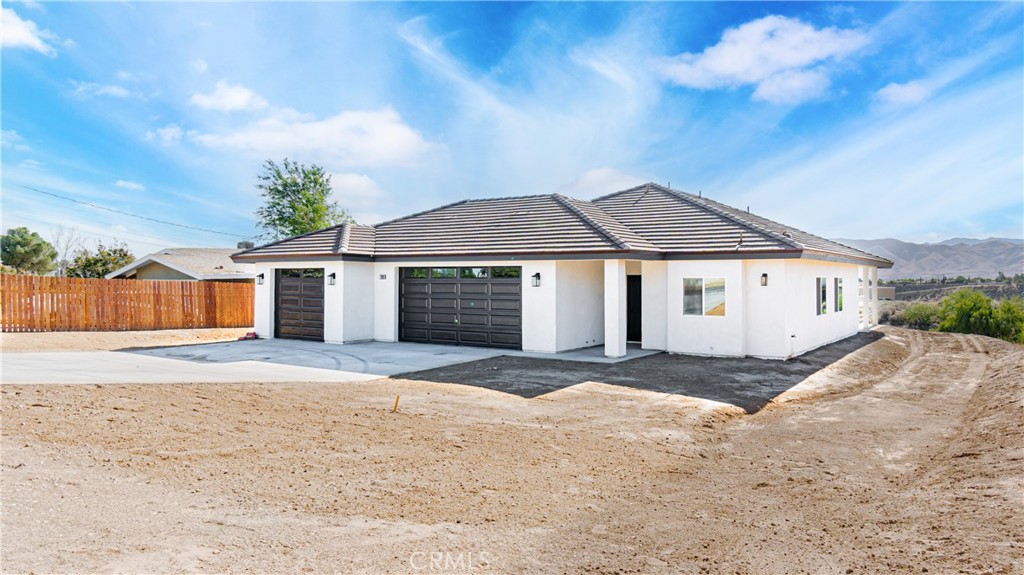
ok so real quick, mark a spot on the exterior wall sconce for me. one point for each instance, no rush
(536, 279)
(259, 279)
(331, 278)
(764, 280)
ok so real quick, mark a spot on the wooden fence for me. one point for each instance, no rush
(34, 303)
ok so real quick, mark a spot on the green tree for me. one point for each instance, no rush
(105, 260)
(297, 200)
(966, 311)
(1009, 320)
(26, 252)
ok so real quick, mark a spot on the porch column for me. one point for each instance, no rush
(873, 298)
(615, 308)
(862, 297)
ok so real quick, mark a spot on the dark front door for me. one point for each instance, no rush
(462, 306)
(633, 298)
(300, 304)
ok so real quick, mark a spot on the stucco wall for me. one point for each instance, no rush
(807, 330)
(765, 331)
(579, 304)
(158, 271)
(653, 305)
(358, 301)
(705, 335)
(385, 302)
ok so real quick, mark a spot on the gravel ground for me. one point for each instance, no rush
(904, 456)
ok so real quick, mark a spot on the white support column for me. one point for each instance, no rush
(873, 298)
(614, 308)
(862, 297)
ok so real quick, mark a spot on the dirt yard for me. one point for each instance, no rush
(112, 340)
(905, 456)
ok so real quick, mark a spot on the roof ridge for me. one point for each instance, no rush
(704, 203)
(341, 243)
(596, 226)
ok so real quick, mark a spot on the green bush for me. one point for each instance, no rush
(921, 315)
(970, 311)
(1009, 320)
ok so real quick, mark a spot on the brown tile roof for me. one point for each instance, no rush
(648, 219)
(352, 239)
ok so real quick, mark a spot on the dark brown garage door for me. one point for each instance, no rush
(300, 304)
(461, 305)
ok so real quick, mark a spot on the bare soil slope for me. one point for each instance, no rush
(905, 456)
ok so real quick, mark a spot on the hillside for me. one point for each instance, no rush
(951, 258)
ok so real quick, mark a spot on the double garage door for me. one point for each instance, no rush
(461, 305)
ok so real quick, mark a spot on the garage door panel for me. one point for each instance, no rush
(506, 340)
(414, 317)
(443, 318)
(415, 288)
(506, 288)
(506, 304)
(474, 337)
(473, 319)
(506, 321)
(471, 308)
(415, 334)
(416, 303)
(444, 335)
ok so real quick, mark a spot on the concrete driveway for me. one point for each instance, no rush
(238, 361)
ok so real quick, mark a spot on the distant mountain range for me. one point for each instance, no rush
(966, 257)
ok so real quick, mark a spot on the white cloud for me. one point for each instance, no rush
(20, 33)
(358, 192)
(168, 135)
(908, 93)
(129, 185)
(229, 98)
(32, 164)
(198, 66)
(12, 140)
(599, 182)
(936, 166)
(783, 57)
(94, 89)
(352, 138)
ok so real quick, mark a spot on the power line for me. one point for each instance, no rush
(134, 215)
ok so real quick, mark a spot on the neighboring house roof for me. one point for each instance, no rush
(199, 263)
(648, 221)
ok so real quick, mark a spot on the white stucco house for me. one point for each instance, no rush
(662, 268)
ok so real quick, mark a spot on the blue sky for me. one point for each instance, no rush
(860, 120)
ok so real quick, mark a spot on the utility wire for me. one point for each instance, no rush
(133, 215)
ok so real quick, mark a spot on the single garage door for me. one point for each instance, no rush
(461, 305)
(300, 304)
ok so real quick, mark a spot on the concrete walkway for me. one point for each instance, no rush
(272, 360)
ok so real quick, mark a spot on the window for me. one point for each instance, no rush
(505, 272)
(693, 296)
(417, 273)
(472, 272)
(839, 294)
(442, 272)
(821, 286)
(704, 296)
